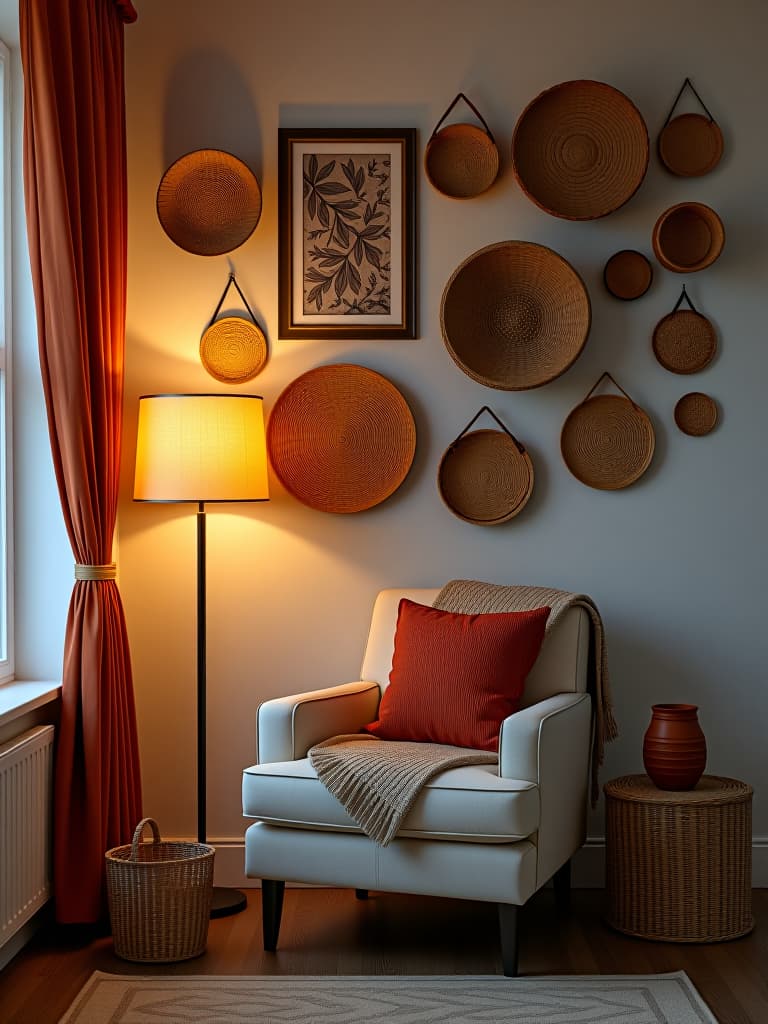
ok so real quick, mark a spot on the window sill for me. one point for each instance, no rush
(17, 698)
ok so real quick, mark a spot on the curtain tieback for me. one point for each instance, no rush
(96, 572)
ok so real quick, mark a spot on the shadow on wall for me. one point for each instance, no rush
(209, 105)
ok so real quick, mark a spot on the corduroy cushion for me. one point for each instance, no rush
(455, 677)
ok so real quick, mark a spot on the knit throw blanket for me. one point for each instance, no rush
(377, 781)
(474, 598)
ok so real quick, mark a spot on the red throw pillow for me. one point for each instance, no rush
(455, 677)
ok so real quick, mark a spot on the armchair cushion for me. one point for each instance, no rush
(456, 677)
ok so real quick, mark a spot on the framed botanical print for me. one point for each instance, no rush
(347, 238)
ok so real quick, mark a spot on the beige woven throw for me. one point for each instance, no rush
(377, 780)
(474, 598)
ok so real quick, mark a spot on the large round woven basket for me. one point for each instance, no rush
(690, 145)
(485, 477)
(159, 897)
(696, 414)
(515, 315)
(208, 202)
(580, 150)
(233, 349)
(684, 341)
(341, 438)
(688, 237)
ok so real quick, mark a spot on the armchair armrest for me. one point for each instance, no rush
(287, 727)
(521, 735)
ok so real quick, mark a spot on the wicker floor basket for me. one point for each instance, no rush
(159, 897)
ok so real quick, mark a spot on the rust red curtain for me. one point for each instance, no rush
(75, 193)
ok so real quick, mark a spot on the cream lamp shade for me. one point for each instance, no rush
(201, 448)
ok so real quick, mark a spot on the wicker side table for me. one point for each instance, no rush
(679, 864)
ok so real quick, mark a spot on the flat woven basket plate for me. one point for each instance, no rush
(696, 414)
(484, 478)
(691, 145)
(684, 341)
(688, 237)
(628, 274)
(208, 202)
(515, 315)
(233, 349)
(580, 150)
(607, 442)
(341, 438)
(461, 161)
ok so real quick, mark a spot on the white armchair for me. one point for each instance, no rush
(480, 832)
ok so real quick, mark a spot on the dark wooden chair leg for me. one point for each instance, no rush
(271, 911)
(508, 928)
(562, 885)
(361, 894)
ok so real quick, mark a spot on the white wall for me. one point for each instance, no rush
(677, 562)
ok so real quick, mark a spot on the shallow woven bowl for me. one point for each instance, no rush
(233, 349)
(461, 161)
(684, 341)
(515, 315)
(628, 274)
(208, 202)
(484, 478)
(341, 438)
(580, 150)
(607, 442)
(688, 237)
(696, 414)
(690, 145)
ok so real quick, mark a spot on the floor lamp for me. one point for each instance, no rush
(202, 448)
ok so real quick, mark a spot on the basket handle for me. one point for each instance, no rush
(231, 281)
(615, 384)
(137, 835)
(684, 295)
(472, 106)
(485, 408)
(689, 83)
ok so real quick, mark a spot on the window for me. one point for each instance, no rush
(6, 490)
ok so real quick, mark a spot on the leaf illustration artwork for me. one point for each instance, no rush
(347, 234)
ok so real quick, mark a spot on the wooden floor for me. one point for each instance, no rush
(328, 931)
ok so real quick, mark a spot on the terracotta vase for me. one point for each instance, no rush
(674, 748)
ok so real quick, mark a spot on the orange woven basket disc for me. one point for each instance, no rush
(515, 315)
(628, 274)
(684, 341)
(484, 478)
(341, 438)
(461, 161)
(696, 414)
(208, 202)
(690, 145)
(607, 442)
(688, 237)
(233, 350)
(580, 150)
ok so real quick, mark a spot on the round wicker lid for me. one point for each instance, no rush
(485, 477)
(688, 237)
(341, 438)
(710, 789)
(461, 161)
(208, 202)
(607, 442)
(233, 349)
(684, 341)
(515, 315)
(628, 274)
(696, 414)
(580, 150)
(690, 145)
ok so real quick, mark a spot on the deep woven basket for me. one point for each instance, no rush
(688, 237)
(628, 274)
(341, 438)
(159, 897)
(515, 315)
(209, 202)
(233, 349)
(580, 150)
(690, 145)
(684, 341)
(485, 477)
(696, 414)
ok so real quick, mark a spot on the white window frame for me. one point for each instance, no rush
(6, 419)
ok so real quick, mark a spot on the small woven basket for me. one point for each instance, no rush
(159, 897)
(461, 160)
(684, 341)
(696, 414)
(690, 145)
(688, 237)
(628, 274)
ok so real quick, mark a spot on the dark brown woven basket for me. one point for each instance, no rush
(461, 160)
(159, 897)
(209, 202)
(628, 274)
(684, 341)
(690, 145)
(233, 350)
(696, 414)
(688, 237)
(341, 438)
(607, 441)
(580, 150)
(515, 315)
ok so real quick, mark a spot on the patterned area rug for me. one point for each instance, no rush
(397, 999)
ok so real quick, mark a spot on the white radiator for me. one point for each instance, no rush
(26, 784)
